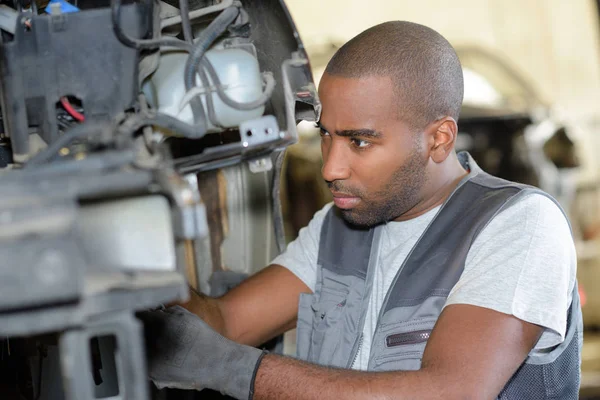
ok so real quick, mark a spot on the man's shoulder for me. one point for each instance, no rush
(533, 219)
(528, 200)
(537, 204)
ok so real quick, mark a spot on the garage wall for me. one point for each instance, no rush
(554, 43)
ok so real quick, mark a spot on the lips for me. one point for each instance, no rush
(345, 201)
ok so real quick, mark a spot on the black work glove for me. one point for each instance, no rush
(185, 353)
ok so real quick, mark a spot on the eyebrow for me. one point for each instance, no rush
(355, 133)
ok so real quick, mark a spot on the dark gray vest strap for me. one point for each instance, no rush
(344, 249)
(437, 261)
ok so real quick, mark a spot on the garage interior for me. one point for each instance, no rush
(225, 203)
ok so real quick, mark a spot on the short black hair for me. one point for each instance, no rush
(423, 65)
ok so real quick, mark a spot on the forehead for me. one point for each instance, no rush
(359, 102)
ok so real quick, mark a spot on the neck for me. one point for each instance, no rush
(443, 179)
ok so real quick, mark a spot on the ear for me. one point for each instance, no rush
(443, 134)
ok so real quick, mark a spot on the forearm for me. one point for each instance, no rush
(208, 309)
(281, 378)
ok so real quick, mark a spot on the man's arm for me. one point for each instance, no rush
(260, 308)
(471, 354)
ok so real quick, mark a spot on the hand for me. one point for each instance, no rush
(185, 353)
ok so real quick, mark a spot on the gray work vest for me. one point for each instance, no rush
(331, 321)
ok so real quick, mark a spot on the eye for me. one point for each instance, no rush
(361, 144)
(323, 132)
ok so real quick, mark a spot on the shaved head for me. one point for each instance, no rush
(424, 69)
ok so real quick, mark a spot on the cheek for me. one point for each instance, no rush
(374, 171)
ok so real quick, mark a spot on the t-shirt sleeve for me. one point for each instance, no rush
(300, 256)
(524, 264)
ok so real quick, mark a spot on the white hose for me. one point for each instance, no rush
(196, 14)
(268, 80)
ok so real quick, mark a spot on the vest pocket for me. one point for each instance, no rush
(304, 325)
(410, 361)
(400, 346)
(327, 325)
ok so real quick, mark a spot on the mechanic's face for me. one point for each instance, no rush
(374, 165)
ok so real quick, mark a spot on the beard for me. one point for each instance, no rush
(401, 193)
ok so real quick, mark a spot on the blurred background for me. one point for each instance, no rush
(531, 111)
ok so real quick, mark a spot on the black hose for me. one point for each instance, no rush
(206, 39)
(246, 106)
(278, 223)
(140, 44)
(216, 28)
(77, 132)
(186, 25)
(95, 162)
(127, 128)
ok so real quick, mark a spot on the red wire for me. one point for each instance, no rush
(74, 113)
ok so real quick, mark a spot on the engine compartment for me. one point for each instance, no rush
(135, 138)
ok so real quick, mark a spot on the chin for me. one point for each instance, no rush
(358, 219)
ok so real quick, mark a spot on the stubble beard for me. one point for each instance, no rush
(402, 193)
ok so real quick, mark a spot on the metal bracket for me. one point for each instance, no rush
(258, 132)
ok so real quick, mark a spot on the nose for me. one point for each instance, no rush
(335, 162)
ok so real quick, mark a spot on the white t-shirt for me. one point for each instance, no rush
(523, 263)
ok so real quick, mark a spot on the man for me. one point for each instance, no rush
(426, 278)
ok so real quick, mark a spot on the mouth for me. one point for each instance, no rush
(345, 201)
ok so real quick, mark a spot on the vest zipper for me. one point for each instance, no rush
(360, 342)
(402, 339)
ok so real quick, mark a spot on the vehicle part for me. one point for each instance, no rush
(102, 215)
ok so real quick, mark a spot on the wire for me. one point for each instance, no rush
(186, 25)
(215, 29)
(164, 121)
(127, 128)
(220, 89)
(142, 44)
(69, 108)
(77, 132)
(266, 95)
(196, 14)
(212, 115)
(147, 132)
(63, 125)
